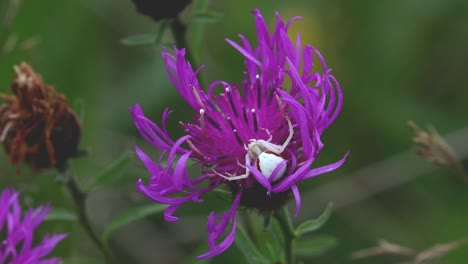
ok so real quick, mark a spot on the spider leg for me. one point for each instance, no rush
(277, 148)
(231, 177)
(270, 136)
(241, 165)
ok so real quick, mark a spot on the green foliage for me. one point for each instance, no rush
(223, 194)
(61, 214)
(314, 224)
(251, 254)
(133, 214)
(111, 174)
(314, 246)
(206, 17)
(139, 40)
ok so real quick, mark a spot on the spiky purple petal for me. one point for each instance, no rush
(17, 247)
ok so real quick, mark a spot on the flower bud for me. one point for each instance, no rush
(159, 10)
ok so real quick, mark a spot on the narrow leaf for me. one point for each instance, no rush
(61, 214)
(248, 249)
(206, 17)
(111, 173)
(131, 215)
(314, 224)
(315, 246)
(272, 252)
(139, 40)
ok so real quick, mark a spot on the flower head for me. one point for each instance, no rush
(36, 124)
(17, 233)
(158, 10)
(260, 137)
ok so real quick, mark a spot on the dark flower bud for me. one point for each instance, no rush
(161, 9)
(37, 126)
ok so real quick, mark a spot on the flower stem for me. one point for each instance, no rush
(179, 31)
(79, 198)
(289, 233)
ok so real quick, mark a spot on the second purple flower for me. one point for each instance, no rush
(17, 242)
(259, 138)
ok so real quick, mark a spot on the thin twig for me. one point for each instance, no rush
(79, 198)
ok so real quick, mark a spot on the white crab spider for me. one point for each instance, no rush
(266, 157)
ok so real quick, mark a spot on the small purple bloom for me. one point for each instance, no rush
(17, 233)
(259, 138)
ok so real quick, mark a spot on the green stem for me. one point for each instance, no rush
(289, 233)
(79, 198)
(179, 31)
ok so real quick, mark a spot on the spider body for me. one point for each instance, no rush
(266, 156)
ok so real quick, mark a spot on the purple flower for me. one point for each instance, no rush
(260, 138)
(17, 233)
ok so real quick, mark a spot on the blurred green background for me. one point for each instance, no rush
(395, 60)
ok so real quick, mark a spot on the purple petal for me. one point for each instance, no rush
(325, 169)
(217, 230)
(244, 52)
(297, 198)
(260, 177)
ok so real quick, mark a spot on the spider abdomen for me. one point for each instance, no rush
(267, 162)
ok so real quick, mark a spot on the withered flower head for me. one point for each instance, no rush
(37, 126)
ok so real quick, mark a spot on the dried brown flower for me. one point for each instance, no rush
(37, 126)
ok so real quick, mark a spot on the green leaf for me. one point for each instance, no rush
(271, 251)
(61, 214)
(131, 215)
(315, 246)
(248, 249)
(111, 173)
(223, 194)
(139, 40)
(206, 17)
(314, 224)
